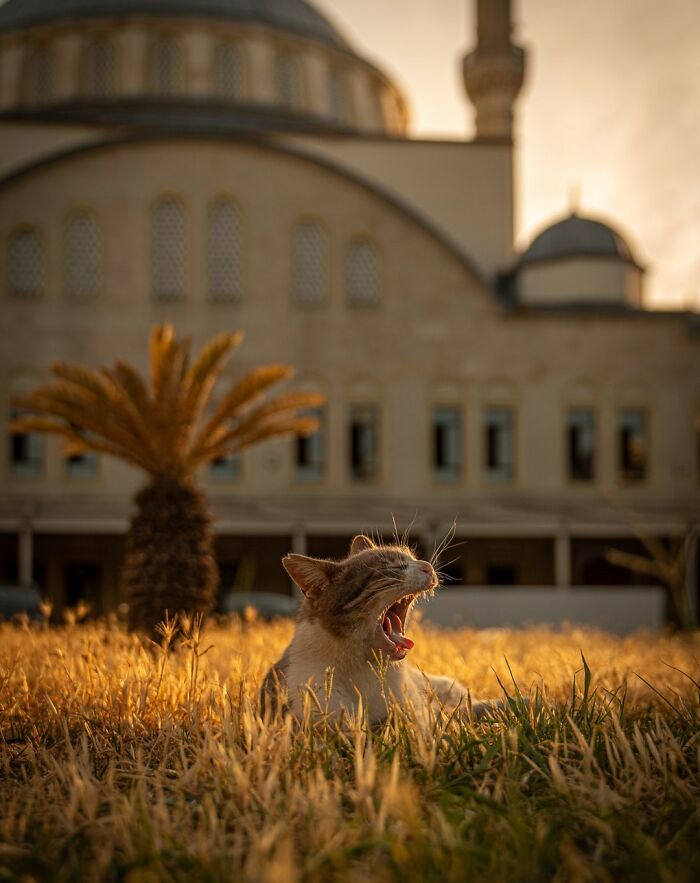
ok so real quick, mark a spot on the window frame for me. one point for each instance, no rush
(624, 477)
(595, 464)
(450, 473)
(375, 472)
(490, 473)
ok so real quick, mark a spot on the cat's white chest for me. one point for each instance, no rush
(317, 659)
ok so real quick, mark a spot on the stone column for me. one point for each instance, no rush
(261, 70)
(26, 554)
(11, 60)
(66, 60)
(199, 57)
(316, 80)
(562, 559)
(133, 51)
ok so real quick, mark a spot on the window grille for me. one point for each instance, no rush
(447, 443)
(310, 262)
(229, 71)
(98, 69)
(168, 238)
(310, 450)
(82, 258)
(164, 67)
(26, 451)
(581, 444)
(289, 90)
(364, 442)
(362, 273)
(340, 97)
(633, 444)
(499, 424)
(26, 264)
(37, 76)
(224, 252)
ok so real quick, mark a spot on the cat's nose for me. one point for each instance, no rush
(425, 566)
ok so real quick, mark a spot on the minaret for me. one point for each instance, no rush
(494, 71)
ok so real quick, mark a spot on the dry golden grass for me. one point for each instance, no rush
(117, 763)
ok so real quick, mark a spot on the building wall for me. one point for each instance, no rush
(589, 279)
(436, 331)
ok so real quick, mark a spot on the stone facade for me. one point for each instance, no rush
(550, 414)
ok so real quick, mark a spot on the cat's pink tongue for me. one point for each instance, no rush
(401, 640)
(394, 632)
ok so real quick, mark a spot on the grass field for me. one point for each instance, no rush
(121, 764)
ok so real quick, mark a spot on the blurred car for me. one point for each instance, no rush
(18, 600)
(265, 605)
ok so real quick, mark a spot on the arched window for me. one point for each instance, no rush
(229, 71)
(36, 79)
(310, 262)
(340, 97)
(289, 88)
(224, 251)
(25, 264)
(82, 257)
(98, 69)
(362, 275)
(165, 65)
(168, 250)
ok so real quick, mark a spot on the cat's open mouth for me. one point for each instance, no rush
(392, 624)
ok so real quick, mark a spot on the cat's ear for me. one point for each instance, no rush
(360, 544)
(312, 575)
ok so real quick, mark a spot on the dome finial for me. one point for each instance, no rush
(574, 197)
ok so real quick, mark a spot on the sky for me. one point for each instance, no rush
(611, 109)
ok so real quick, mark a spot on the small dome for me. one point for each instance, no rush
(296, 16)
(577, 237)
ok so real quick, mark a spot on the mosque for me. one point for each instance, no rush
(238, 164)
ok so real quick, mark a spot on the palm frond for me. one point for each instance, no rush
(242, 395)
(155, 426)
(161, 343)
(233, 441)
(78, 408)
(77, 443)
(105, 390)
(282, 406)
(203, 374)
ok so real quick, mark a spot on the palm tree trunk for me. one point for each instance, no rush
(169, 564)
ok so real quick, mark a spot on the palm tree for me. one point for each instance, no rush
(163, 428)
(669, 566)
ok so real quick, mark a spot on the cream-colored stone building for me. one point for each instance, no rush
(225, 164)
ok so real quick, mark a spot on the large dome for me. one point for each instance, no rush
(288, 15)
(576, 236)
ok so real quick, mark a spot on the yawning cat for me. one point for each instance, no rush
(352, 623)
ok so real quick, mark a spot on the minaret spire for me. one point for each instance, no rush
(494, 71)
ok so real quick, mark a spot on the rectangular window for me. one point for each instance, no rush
(580, 439)
(499, 442)
(447, 443)
(226, 468)
(632, 444)
(310, 449)
(26, 451)
(364, 442)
